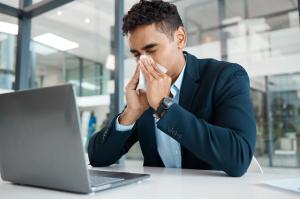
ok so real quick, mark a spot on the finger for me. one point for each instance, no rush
(150, 69)
(146, 72)
(132, 84)
(145, 60)
(136, 74)
(147, 75)
(155, 67)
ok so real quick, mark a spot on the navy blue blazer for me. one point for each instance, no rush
(214, 123)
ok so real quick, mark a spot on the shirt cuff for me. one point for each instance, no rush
(120, 127)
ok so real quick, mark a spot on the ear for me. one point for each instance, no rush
(180, 37)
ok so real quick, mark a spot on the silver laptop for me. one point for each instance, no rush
(41, 145)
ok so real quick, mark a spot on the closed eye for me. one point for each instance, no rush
(136, 55)
(151, 51)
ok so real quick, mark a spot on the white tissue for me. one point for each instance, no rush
(142, 85)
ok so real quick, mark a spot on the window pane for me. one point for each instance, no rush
(71, 44)
(8, 32)
(263, 36)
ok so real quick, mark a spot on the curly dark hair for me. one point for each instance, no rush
(164, 14)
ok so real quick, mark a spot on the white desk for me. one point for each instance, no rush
(173, 183)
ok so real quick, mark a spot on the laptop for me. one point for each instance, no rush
(41, 143)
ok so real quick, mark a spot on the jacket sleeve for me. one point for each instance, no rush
(109, 145)
(228, 143)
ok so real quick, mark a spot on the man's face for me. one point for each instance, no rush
(149, 40)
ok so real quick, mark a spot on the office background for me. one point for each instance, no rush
(47, 42)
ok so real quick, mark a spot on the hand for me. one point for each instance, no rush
(158, 83)
(136, 103)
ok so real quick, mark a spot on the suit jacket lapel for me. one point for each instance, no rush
(188, 91)
(189, 83)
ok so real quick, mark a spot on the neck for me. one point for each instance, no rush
(178, 68)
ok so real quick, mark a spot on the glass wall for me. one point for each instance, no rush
(80, 44)
(7, 60)
(80, 35)
(264, 37)
(53, 67)
(285, 127)
(8, 30)
(69, 44)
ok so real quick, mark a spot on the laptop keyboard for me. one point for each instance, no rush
(102, 180)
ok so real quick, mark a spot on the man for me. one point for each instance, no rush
(198, 115)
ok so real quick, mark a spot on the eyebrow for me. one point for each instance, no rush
(148, 46)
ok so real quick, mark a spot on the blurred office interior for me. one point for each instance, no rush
(76, 43)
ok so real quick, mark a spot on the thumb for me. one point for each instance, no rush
(135, 79)
(136, 74)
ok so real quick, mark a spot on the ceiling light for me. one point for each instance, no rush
(9, 28)
(56, 41)
(87, 20)
(59, 12)
(42, 49)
